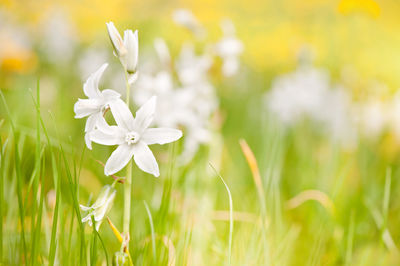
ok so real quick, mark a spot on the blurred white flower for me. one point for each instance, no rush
(59, 37)
(185, 18)
(192, 68)
(298, 94)
(127, 49)
(229, 49)
(133, 136)
(188, 105)
(307, 93)
(100, 207)
(162, 51)
(373, 117)
(94, 107)
(90, 59)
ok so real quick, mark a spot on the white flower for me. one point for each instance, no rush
(162, 51)
(100, 208)
(192, 68)
(307, 93)
(127, 49)
(133, 136)
(229, 48)
(59, 39)
(96, 105)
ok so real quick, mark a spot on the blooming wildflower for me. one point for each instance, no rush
(60, 38)
(133, 136)
(100, 207)
(98, 102)
(188, 106)
(307, 92)
(127, 49)
(192, 68)
(162, 51)
(229, 49)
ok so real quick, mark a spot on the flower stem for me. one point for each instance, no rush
(128, 180)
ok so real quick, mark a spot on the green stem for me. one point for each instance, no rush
(127, 198)
(128, 180)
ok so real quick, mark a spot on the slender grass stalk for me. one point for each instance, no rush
(72, 188)
(252, 162)
(38, 226)
(102, 244)
(36, 178)
(350, 237)
(153, 236)
(56, 181)
(53, 241)
(2, 177)
(386, 195)
(230, 215)
(93, 249)
(19, 179)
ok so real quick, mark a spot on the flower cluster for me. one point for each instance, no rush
(186, 96)
(132, 135)
(307, 93)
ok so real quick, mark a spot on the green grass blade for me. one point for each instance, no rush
(153, 236)
(19, 179)
(230, 215)
(53, 244)
(72, 189)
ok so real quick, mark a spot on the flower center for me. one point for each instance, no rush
(132, 137)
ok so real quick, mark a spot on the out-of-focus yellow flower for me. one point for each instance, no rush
(369, 7)
(15, 58)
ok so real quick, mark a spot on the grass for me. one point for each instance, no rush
(299, 198)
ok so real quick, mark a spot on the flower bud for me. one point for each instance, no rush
(132, 46)
(116, 40)
(127, 49)
(120, 258)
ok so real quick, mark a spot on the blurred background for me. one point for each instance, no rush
(311, 86)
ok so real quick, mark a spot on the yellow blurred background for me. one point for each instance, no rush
(364, 35)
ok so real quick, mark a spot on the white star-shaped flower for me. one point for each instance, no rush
(96, 105)
(100, 207)
(133, 135)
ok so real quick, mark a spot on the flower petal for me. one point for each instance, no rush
(110, 95)
(88, 142)
(145, 159)
(91, 86)
(133, 77)
(85, 107)
(118, 159)
(161, 135)
(131, 43)
(84, 208)
(87, 218)
(91, 122)
(115, 136)
(116, 39)
(145, 114)
(122, 114)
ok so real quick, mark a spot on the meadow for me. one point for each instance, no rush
(275, 124)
